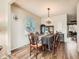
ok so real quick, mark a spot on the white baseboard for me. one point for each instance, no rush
(19, 48)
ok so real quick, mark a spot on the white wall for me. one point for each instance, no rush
(17, 31)
(18, 34)
(78, 26)
(4, 25)
(59, 22)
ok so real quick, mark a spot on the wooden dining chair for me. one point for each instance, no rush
(34, 46)
(1, 47)
(55, 42)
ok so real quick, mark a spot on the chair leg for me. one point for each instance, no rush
(53, 50)
(36, 52)
(30, 53)
(36, 56)
(30, 50)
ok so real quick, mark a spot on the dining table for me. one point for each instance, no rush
(47, 40)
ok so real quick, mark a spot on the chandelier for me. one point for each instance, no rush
(48, 21)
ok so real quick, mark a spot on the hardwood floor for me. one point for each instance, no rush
(65, 51)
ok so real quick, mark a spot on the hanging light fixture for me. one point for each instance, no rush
(48, 21)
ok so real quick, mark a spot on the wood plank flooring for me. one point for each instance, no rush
(63, 52)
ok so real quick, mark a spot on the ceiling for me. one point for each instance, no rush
(39, 7)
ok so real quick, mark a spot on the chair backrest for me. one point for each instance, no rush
(33, 38)
(56, 37)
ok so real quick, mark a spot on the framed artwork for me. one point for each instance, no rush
(30, 24)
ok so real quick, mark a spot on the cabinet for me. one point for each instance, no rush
(72, 27)
(44, 28)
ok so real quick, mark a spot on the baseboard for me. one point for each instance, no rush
(19, 48)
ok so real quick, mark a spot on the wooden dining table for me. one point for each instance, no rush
(47, 40)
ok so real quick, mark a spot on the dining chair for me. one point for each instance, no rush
(53, 44)
(56, 42)
(34, 45)
(1, 47)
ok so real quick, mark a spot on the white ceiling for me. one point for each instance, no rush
(39, 7)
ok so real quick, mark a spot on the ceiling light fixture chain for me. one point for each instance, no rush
(48, 19)
(48, 11)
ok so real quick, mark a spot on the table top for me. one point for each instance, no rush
(47, 36)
